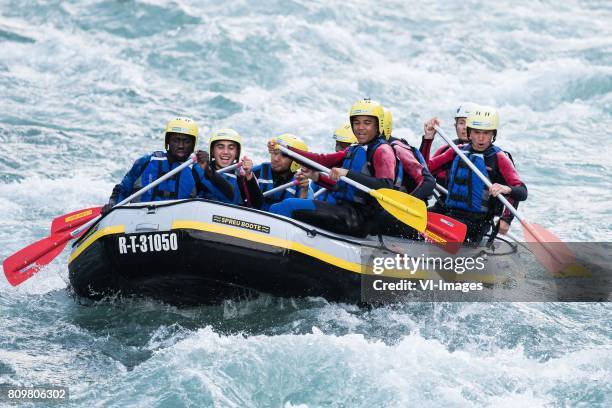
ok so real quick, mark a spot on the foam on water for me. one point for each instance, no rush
(317, 369)
(86, 87)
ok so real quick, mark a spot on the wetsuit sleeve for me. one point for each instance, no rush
(511, 178)
(425, 148)
(384, 169)
(425, 189)
(216, 184)
(122, 190)
(253, 195)
(326, 159)
(440, 161)
(441, 150)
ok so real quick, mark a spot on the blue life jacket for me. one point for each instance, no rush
(232, 178)
(181, 185)
(210, 192)
(265, 179)
(359, 159)
(466, 191)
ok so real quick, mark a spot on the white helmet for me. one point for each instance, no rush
(464, 109)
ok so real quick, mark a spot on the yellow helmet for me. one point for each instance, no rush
(368, 107)
(225, 134)
(388, 124)
(182, 125)
(344, 134)
(296, 142)
(483, 118)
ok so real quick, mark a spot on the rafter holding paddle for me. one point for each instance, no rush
(559, 260)
(409, 210)
(74, 219)
(24, 263)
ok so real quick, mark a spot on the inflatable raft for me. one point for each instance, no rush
(199, 251)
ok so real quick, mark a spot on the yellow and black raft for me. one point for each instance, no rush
(199, 251)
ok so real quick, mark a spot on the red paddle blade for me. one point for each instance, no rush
(552, 253)
(445, 231)
(26, 262)
(71, 221)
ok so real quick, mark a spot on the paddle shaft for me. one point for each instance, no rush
(324, 169)
(488, 183)
(441, 189)
(192, 159)
(230, 168)
(280, 188)
(319, 192)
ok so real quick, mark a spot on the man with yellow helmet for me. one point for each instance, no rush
(281, 170)
(180, 138)
(225, 146)
(469, 199)
(370, 162)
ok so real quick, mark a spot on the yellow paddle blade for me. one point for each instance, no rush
(406, 208)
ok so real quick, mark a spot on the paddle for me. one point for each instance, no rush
(77, 218)
(440, 229)
(281, 187)
(319, 192)
(230, 168)
(24, 263)
(559, 260)
(73, 219)
(406, 208)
